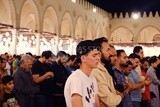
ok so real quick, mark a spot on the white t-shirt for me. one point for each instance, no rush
(80, 83)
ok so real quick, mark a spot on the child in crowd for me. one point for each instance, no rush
(9, 98)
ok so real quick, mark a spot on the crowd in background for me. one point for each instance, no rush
(40, 81)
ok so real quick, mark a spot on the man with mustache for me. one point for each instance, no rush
(121, 84)
(108, 96)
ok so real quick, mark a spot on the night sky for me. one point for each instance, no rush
(123, 6)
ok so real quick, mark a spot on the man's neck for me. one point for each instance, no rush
(117, 66)
(85, 69)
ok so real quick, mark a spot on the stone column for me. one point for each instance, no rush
(15, 33)
(38, 35)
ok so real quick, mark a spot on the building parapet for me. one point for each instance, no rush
(89, 6)
(141, 15)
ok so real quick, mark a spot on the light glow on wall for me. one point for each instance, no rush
(74, 1)
(135, 15)
(94, 10)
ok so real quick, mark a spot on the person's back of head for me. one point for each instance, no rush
(137, 49)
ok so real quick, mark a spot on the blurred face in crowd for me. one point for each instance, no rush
(155, 64)
(105, 51)
(62, 60)
(27, 64)
(127, 70)
(91, 59)
(140, 53)
(135, 62)
(123, 58)
(145, 66)
(3, 63)
(113, 56)
(9, 86)
(48, 61)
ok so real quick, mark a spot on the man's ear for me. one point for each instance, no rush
(83, 59)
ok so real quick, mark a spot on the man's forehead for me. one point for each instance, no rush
(94, 51)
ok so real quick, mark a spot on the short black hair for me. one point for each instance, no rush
(153, 59)
(137, 49)
(6, 79)
(119, 52)
(100, 40)
(61, 54)
(145, 59)
(47, 54)
(84, 47)
(133, 56)
(29, 53)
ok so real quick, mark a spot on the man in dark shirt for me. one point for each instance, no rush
(42, 76)
(122, 85)
(60, 77)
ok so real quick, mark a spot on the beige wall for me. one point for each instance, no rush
(57, 17)
(138, 30)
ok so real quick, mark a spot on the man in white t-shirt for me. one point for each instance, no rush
(81, 88)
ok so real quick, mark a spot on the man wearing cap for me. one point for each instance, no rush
(81, 88)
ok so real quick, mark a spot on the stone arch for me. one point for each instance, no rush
(99, 32)
(67, 25)
(80, 28)
(147, 34)
(90, 29)
(121, 35)
(7, 12)
(156, 38)
(50, 20)
(29, 17)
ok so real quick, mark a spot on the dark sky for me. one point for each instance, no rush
(118, 6)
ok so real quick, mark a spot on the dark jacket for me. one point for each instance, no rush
(24, 87)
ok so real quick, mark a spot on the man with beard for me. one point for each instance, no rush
(43, 76)
(108, 96)
(136, 94)
(146, 98)
(151, 72)
(113, 56)
(138, 50)
(109, 61)
(121, 84)
(60, 77)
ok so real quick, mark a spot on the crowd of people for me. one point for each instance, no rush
(97, 76)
